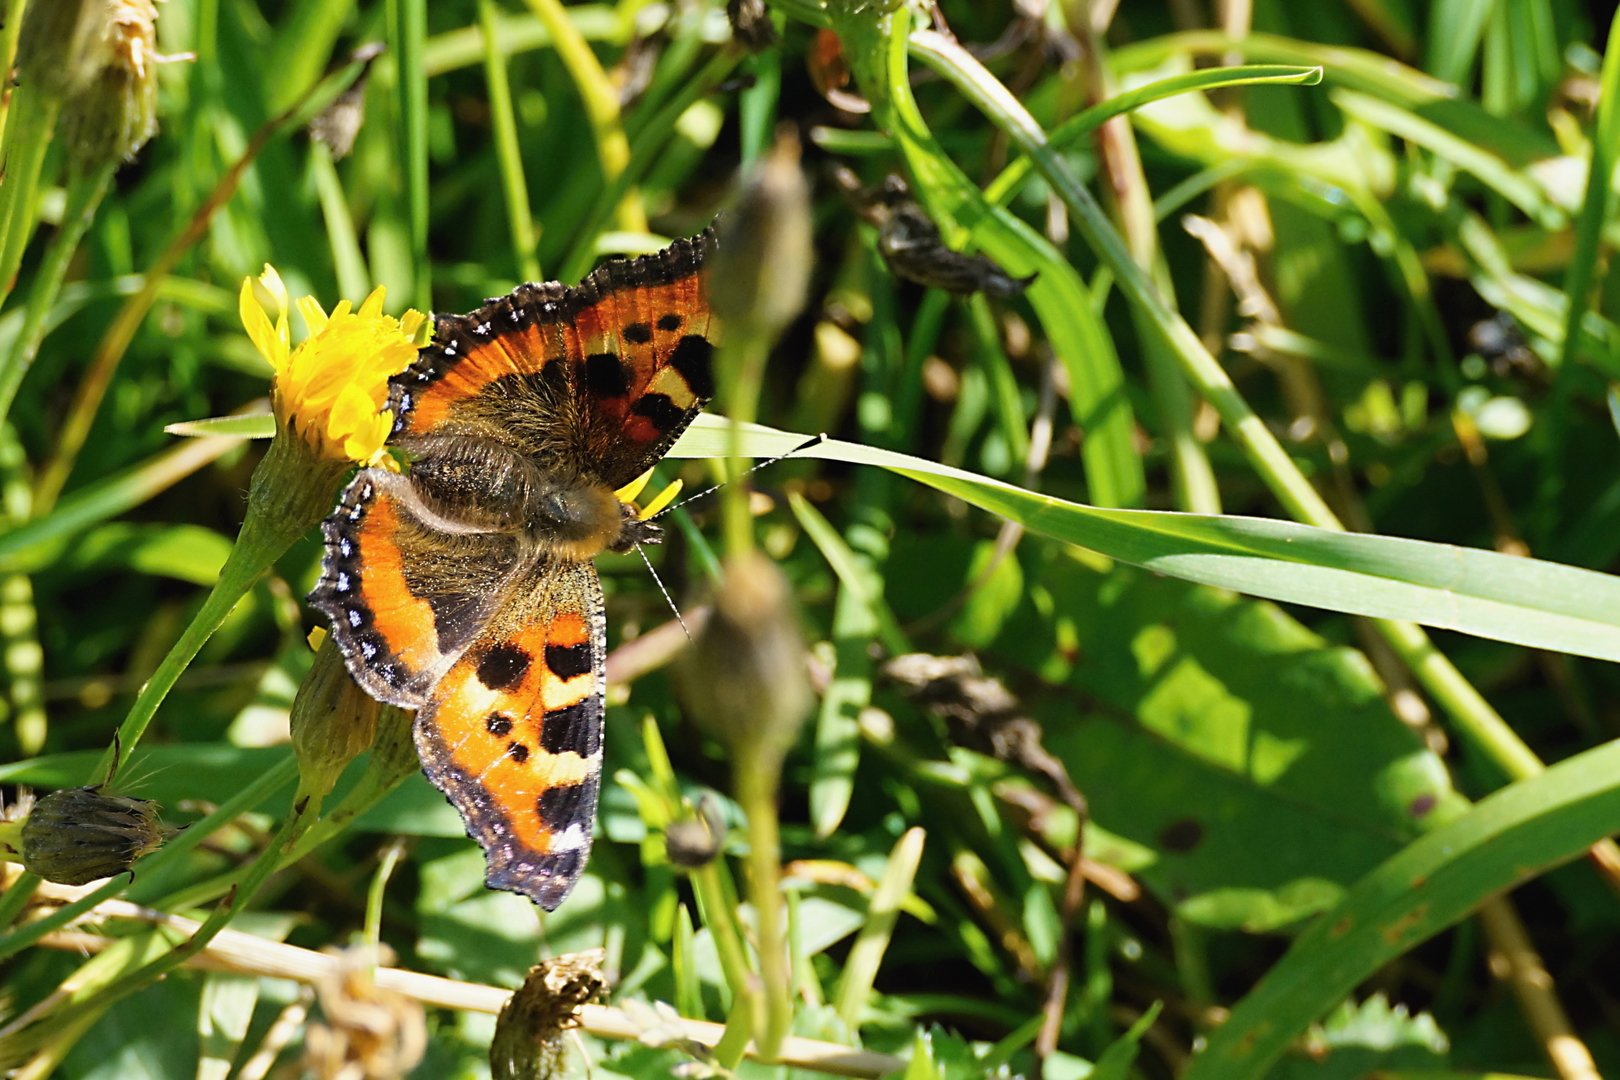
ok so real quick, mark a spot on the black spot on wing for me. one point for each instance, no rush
(563, 805)
(636, 333)
(670, 321)
(517, 752)
(605, 375)
(577, 727)
(569, 661)
(503, 667)
(498, 724)
(663, 413)
(693, 358)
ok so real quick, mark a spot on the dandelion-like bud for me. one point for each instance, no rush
(761, 266)
(333, 721)
(78, 835)
(393, 755)
(744, 678)
(98, 59)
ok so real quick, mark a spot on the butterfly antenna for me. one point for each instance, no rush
(807, 444)
(667, 598)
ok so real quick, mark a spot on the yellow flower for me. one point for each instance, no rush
(330, 389)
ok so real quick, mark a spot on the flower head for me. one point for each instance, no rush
(83, 834)
(331, 387)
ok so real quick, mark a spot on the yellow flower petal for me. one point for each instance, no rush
(314, 318)
(373, 304)
(260, 331)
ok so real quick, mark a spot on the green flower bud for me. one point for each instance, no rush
(333, 721)
(760, 271)
(743, 680)
(83, 834)
(393, 755)
(694, 842)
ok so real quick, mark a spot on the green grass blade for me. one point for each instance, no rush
(1510, 837)
(1582, 268)
(1506, 598)
(1077, 127)
(1097, 393)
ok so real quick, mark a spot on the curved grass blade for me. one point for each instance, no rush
(1001, 189)
(1485, 593)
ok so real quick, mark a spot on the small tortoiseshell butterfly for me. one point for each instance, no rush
(464, 588)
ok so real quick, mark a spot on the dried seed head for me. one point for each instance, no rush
(83, 834)
(338, 125)
(751, 24)
(761, 266)
(368, 1032)
(744, 678)
(333, 721)
(528, 1035)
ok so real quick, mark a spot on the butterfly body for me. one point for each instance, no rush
(464, 587)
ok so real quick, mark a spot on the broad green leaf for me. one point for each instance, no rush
(1525, 601)
(1510, 837)
(184, 552)
(1192, 742)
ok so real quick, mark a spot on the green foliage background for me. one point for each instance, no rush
(1296, 813)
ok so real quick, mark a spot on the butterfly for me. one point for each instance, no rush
(464, 587)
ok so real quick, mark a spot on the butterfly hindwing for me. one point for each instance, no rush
(604, 375)
(402, 595)
(512, 733)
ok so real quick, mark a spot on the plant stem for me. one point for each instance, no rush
(84, 194)
(757, 788)
(30, 123)
(291, 490)
(507, 152)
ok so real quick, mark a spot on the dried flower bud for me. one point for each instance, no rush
(338, 125)
(693, 843)
(528, 1035)
(369, 1032)
(98, 59)
(744, 678)
(761, 266)
(83, 834)
(914, 250)
(333, 721)
(751, 24)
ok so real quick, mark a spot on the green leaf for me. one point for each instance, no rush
(1368, 1038)
(1193, 744)
(245, 426)
(1115, 1062)
(1524, 601)
(1512, 836)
